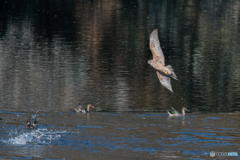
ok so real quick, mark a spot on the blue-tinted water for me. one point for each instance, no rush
(100, 135)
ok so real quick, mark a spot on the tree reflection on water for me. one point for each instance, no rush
(55, 54)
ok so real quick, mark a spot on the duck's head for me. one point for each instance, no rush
(35, 122)
(89, 107)
(185, 109)
(28, 124)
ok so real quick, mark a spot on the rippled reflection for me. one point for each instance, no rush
(54, 54)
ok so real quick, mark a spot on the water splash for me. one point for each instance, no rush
(38, 136)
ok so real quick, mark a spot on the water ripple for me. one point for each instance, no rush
(38, 136)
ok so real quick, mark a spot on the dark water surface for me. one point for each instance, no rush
(55, 54)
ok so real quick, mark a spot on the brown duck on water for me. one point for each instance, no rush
(164, 72)
(80, 109)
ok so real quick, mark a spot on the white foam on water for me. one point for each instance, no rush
(38, 136)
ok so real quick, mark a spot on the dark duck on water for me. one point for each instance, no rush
(32, 122)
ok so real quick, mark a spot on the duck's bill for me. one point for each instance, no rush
(165, 81)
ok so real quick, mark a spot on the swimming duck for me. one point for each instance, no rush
(164, 73)
(31, 125)
(175, 113)
(32, 122)
(80, 108)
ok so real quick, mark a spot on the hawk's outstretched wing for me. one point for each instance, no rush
(165, 81)
(156, 48)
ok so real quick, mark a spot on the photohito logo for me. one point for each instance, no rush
(212, 154)
(223, 154)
